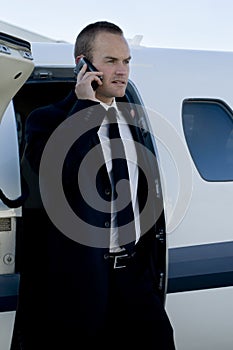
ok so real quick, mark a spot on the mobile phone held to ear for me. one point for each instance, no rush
(90, 68)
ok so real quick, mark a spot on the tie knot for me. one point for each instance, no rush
(112, 115)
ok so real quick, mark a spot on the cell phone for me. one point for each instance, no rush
(90, 68)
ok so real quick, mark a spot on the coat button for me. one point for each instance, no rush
(107, 224)
(107, 191)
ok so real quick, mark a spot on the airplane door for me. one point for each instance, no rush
(16, 64)
(141, 116)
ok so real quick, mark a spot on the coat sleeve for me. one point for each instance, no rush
(39, 127)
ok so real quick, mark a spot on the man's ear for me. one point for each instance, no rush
(78, 58)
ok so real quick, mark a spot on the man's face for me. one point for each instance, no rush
(111, 55)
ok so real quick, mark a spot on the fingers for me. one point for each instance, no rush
(83, 88)
(84, 74)
(89, 76)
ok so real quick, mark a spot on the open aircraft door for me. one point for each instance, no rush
(16, 65)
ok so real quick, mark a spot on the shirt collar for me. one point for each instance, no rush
(106, 106)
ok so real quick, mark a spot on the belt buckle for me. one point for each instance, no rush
(117, 264)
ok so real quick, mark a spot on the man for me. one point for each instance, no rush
(99, 281)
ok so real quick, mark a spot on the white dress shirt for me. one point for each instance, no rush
(131, 156)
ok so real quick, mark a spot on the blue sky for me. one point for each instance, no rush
(202, 24)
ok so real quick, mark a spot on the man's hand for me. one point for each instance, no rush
(83, 87)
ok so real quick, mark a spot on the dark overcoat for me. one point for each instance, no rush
(69, 280)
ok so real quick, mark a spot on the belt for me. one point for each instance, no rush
(119, 260)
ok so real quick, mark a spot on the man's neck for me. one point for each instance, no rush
(106, 105)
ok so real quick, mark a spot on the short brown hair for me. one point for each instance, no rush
(85, 39)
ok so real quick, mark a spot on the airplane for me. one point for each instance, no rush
(185, 100)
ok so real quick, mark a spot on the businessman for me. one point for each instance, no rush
(99, 281)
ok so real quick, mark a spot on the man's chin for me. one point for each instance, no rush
(120, 92)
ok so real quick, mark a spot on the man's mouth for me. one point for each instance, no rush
(119, 82)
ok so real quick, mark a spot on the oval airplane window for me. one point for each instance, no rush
(208, 129)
